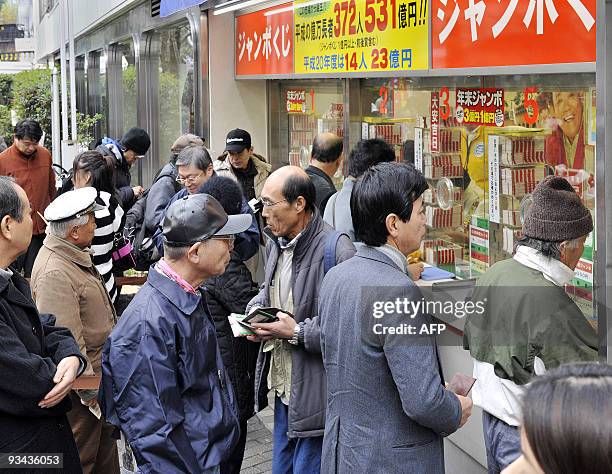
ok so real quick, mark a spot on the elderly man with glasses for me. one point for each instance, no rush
(163, 380)
(290, 360)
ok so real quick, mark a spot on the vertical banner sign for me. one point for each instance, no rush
(494, 179)
(296, 101)
(435, 122)
(361, 36)
(480, 106)
(484, 33)
(418, 149)
(264, 42)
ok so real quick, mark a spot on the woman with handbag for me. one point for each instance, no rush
(91, 168)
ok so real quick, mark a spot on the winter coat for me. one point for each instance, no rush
(66, 283)
(164, 383)
(226, 294)
(223, 167)
(387, 407)
(308, 396)
(159, 195)
(32, 346)
(123, 178)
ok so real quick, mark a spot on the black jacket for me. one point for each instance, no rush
(123, 178)
(324, 186)
(31, 346)
(226, 294)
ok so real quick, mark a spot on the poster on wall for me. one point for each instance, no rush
(494, 207)
(296, 101)
(468, 33)
(357, 36)
(264, 42)
(480, 106)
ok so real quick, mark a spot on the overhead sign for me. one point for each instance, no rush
(480, 106)
(357, 36)
(264, 42)
(483, 33)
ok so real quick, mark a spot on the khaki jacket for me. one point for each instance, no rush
(65, 283)
(223, 168)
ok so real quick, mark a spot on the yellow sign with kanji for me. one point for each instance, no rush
(357, 36)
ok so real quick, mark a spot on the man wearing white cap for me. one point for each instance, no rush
(65, 282)
(163, 380)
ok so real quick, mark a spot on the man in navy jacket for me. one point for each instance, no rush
(163, 379)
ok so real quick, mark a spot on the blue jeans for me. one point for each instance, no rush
(299, 455)
(503, 443)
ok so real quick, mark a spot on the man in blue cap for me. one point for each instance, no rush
(163, 380)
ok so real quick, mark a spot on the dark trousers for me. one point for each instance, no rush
(97, 447)
(289, 455)
(502, 441)
(233, 464)
(25, 262)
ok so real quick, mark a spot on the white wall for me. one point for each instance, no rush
(233, 104)
(85, 13)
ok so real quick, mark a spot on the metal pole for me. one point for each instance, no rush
(603, 186)
(72, 64)
(64, 111)
(55, 119)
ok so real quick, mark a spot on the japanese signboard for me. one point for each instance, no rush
(469, 33)
(264, 42)
(480, 106)
(435, 122)
(494, 191)
(296, 101)
(361, 36)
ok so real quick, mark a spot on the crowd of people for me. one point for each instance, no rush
(234, 238)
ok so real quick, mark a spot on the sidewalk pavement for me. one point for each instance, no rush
(258, 452)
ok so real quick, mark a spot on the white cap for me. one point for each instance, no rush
(73, 204)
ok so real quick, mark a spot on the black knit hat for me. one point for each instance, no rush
(137, 140)
(557, 213)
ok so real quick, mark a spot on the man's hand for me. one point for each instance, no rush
(466, 409)
(281, 329)
(415, 270)
(64, 377)
(138, 191)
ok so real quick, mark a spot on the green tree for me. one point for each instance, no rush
(32, 98)
(8, 14)
(6, 89)
(6, 126)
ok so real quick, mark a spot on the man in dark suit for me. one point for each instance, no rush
(387, 406)
(38, 361)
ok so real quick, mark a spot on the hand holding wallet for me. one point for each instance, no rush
(461, 384)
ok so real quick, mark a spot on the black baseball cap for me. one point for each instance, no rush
(237, 140)
(198, 217)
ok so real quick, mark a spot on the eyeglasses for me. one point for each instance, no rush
(267, 203)
(188, 180)
(228, 238)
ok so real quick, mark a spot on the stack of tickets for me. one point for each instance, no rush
(440, 166)
(391, 133)
(302, 122)
(520, 181)
(450, 140)
(441, 218)
(511, 217)
(443, 254)
(300, 139)
(524, 150)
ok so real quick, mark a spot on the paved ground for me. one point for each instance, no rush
(258, 453)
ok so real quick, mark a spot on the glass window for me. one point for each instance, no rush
(305, 109)
(176, 87)
(125, 55)
(483, 143)
(96, 91)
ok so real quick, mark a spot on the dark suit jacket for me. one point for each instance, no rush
(387, 409)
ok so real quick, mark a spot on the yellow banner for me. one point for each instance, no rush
(357, 36)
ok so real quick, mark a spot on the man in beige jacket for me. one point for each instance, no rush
(66, 283)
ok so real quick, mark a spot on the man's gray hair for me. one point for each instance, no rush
(196, 156)
(60, 228)
(546, 248)
(175, 253)
(10, 203)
